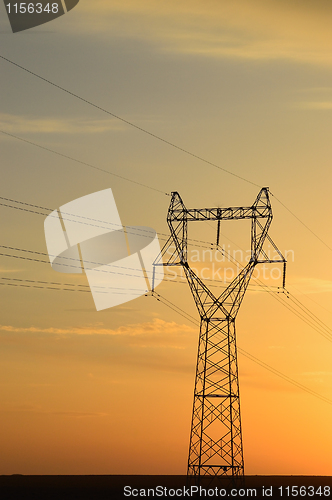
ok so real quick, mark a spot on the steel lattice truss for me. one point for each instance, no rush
(216, 437)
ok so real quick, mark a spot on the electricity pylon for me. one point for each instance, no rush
(216, 437)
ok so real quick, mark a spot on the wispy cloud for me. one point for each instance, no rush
(318, 378)
(317, 373)
(155, 345)
(238, 29)
(78, 414)
(39, 411)
(8, 270)
(23, 124)
(316, 90)
(157, 327)
(310, 285)
(323, 105)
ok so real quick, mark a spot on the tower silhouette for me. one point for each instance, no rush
(216, 437)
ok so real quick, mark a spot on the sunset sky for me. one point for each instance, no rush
(245, 85)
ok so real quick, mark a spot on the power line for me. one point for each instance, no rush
(301, 222)
(310, 298)
(21, 285)
(311, 319)
(322, 329)
(283, 376)
(72, 266)
(162, 236)
(253, 358)
(20, 257)
(147, 186)
(150, 187)
(175, 308)
(100, 287)
(45, 282)
(83, 162)
(64, 214)
(137, 127)
(107, 225)
(139, 229)
(220, 283)
(38, 285)
(149, 273)
(155, 136)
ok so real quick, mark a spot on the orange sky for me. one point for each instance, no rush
(245, 85)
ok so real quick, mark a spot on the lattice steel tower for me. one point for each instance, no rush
(216, 437)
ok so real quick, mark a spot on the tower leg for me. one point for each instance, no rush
(216, 439)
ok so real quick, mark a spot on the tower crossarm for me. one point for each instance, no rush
(261, 209)
(231, 213)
